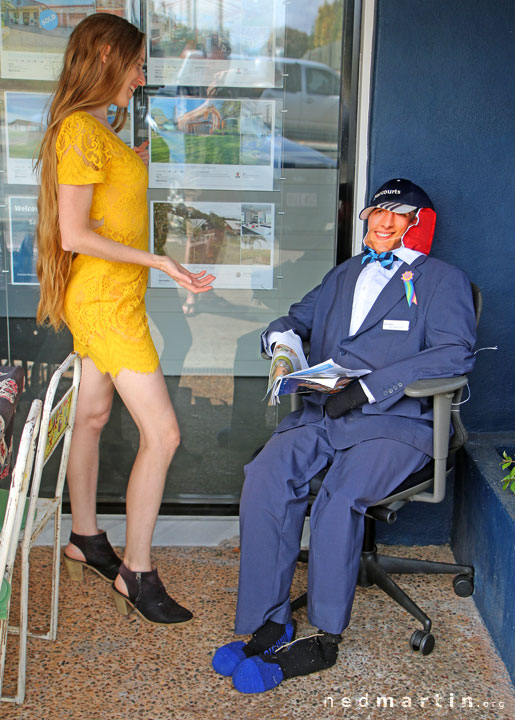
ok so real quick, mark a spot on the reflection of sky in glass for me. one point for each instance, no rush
(208, 12)
(26, 106)
(258, 12)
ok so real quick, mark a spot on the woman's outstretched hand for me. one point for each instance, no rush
(194, 282)
(142, 151)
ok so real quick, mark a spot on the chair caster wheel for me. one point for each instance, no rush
(422, 641)
(463, 585)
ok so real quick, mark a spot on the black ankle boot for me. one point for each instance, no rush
(100, 557)
(149, 598)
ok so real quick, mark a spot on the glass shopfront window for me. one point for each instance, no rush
(247, 108)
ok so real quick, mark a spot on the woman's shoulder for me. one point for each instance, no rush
(79, 121)
(82, 134)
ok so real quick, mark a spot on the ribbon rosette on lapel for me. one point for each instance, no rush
(407, 279)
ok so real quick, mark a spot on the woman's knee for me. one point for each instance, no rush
(164, 440)
(95, 418)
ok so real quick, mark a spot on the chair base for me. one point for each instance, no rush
(374, 569)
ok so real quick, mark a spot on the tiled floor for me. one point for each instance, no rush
(107, 666)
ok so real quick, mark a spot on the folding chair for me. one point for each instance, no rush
(57, 423)
(12, 525)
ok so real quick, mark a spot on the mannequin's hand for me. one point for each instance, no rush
(353, 396)
(194, 282)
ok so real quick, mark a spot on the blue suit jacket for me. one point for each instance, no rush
(438, 343)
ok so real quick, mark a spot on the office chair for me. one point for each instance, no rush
(426, 485)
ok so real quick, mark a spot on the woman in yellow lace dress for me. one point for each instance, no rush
(93, 264)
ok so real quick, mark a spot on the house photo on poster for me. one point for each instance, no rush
(23, 212)
(25, 125)
(34, 34)
(227, 42)
(233, 241)
(212, 144)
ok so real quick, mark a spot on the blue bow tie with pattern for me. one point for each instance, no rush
(386, 259)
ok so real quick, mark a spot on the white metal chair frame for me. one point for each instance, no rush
(57, 423)
(13, 518)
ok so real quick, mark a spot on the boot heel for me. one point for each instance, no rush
(74, 569)
(122, 605)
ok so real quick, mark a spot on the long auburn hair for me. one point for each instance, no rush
(85, 81)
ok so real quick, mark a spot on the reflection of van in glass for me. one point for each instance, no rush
(311, 95)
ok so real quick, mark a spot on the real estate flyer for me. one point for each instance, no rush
(212, 144)
(23, 213)
(230, 43)
(34, 34)
(233, 241)
(25, 124)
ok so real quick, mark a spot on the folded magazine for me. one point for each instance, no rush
(290, 372)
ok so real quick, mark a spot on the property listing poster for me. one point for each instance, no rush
(25, 125)
(212, 144)
(234, 241)
(127, 132)
(23, 213)
(35, 34)
(201, 42)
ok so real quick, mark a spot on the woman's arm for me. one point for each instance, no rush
(77, 236)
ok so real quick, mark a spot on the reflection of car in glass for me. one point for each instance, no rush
(311, 96)
(297, 155)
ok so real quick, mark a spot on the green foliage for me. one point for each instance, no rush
(509, 479)
(328, 24)
(297, 43)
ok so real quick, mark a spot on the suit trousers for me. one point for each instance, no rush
(273, 506)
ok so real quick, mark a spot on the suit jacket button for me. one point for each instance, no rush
(390, 391)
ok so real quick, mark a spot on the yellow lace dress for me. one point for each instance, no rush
(105, 300)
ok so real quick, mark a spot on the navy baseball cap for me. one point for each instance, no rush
(398, 196)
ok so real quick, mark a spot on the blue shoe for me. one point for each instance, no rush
(228, 657)
(261, 673)
(268, 638)
(254, 675)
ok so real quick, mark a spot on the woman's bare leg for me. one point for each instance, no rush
(93, 409)
(146, 398)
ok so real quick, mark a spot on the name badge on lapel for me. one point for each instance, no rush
(396, 325)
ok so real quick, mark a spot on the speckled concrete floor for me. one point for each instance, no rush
(106, 666)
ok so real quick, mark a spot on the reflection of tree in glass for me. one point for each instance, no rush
(328, 24)
(161, 222)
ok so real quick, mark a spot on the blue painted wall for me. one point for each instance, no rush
(483, 536)
(443, 110)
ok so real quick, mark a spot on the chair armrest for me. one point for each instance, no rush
(435, 386)
(442, 391)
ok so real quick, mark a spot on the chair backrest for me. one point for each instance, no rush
(460, 435)
(15, 507)
(56, 425)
